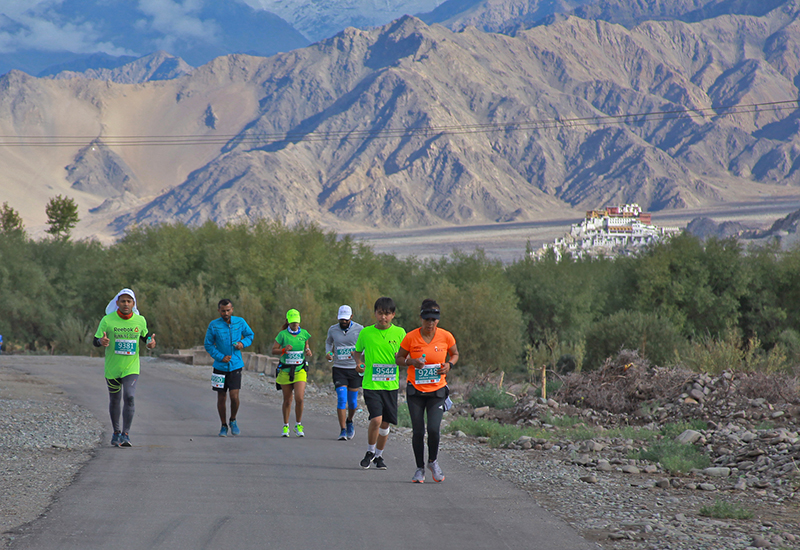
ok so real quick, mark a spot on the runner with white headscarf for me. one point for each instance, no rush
(121, 332)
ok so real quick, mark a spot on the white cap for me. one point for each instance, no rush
(112, 305)
(345, 312)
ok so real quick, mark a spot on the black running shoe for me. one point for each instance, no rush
(379, 463)
(367, 460)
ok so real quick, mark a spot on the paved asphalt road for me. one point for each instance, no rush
(181, 486)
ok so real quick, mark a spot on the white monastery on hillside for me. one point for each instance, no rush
(611, 231)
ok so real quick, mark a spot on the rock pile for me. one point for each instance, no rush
(746, 424)
(585, 459)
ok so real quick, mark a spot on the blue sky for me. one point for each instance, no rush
(42, 25)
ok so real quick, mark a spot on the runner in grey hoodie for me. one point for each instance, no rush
(339, 346)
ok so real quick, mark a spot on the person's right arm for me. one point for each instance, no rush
(402, 358)
(359, 358)
(279, 349)
(103, 340)
(209, 344)
(359, 355)
(329, 342)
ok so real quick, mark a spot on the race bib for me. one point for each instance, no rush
(293, 358)
(427, 375)
(344, 353)
(125, 347)
(218, 380)
(384, 373)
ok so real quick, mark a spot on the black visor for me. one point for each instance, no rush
(429, 313)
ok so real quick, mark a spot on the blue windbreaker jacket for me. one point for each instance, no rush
(220, 339)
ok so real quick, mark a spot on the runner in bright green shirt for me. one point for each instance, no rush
(122, 332)
(291, 344)
(375, 358)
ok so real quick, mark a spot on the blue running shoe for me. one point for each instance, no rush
(125, 441)
(351, 429)
(343, 435)
(235, 428)
(115, 439)
(223, 431)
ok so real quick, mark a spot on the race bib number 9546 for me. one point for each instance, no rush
(344, 353)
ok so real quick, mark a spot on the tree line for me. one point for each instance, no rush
(707, 305)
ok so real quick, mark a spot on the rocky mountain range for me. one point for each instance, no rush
(155, 66)
(411, 125)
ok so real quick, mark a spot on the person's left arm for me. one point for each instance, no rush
(307, 349)
(149, 338)
(452, 353)
(247, 337)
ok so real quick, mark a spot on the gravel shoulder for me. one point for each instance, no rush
(45, 439)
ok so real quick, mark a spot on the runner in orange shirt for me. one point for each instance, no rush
(429, 353)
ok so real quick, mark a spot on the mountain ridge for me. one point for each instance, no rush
(412, 125)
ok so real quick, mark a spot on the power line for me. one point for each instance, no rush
(428, 130)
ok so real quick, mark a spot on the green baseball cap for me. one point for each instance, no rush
(293, 316)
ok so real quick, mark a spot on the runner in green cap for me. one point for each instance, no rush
(291, 344)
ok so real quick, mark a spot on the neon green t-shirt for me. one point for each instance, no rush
(379, 348)
(298, 342)
(122, 353)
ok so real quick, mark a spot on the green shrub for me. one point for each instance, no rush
(731, 352)
(675, 457)
(565, 421)
(631, 432)
(656, 338)
(725, 510)
(672, 430)
(498, 434)
(490, 395)
(75, 338)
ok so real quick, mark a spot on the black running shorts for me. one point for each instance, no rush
(382, 403)
(346, 377)
(233, 380)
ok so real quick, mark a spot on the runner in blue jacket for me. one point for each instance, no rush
(226, 337)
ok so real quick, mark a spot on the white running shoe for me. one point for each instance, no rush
(436, 471)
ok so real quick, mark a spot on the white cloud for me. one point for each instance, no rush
(177, 20)
(18, 8)
(35, 27)
(36, 24)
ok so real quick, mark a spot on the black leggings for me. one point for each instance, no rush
(418, 404)
(121, 389)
